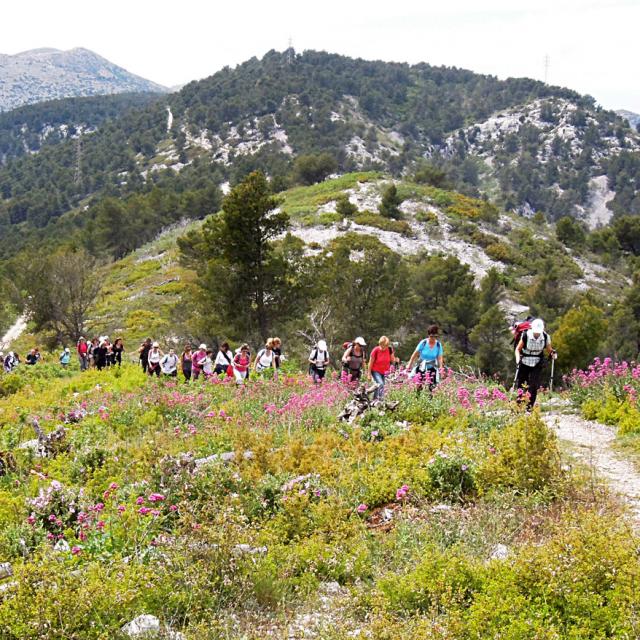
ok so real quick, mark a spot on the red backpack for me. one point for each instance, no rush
(518, 329)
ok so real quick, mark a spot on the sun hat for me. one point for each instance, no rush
(360, 340)
(322, 345)
(203, 346)
(155, 345)
(537, 326)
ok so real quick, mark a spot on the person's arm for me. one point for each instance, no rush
(413, 357)
(346, 355)
(519, 349)
(551, 352)
(372, 361)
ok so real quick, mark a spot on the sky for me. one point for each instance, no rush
(591, 46)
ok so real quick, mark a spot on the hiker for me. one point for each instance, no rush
(65, 357)
(83, 353)
(430, 354)
(144, 349)
(108, 354)
(241, 363)
(91, 347)
(196, 360)
(169, 364)
(265, 358)
(11, 361)
(100, 355)
(117, 350)
(380, 362)
(354, 360)
(32, 357)
(207, 365)
(318, 361)
(154, 357)
(224, 360)
(277, 360)
(185, 361)
(530, 351)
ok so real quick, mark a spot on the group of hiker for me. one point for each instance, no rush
(204, 362)
(426, 364)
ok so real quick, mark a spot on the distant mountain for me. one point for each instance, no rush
(48, 74)
(633, 118)
(527, 146)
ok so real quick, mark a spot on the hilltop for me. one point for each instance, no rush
(46, 74)
(527, 146)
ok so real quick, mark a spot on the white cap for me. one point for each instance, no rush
(156, 345)
(66, 349)
(203, 346)
(322, 345)
(360, 340)
(537, 326)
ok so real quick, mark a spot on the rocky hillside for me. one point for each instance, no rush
(528, 146)
(47, 74)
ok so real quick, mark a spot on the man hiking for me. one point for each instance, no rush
(530, 352)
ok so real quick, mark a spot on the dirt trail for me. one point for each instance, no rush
(592, 445)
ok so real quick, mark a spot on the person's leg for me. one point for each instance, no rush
(379, 379)
(523, 384)
(534, 385)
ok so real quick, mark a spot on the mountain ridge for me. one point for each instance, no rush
(46, 73)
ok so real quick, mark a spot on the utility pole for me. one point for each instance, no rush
(290, 52)
(547, 64)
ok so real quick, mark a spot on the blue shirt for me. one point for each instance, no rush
(427, 353)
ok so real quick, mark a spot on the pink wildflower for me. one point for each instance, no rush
(361, 508)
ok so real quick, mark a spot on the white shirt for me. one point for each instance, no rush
(154, 356)
(221, 360)
(534, 346)
(320, 358)
(169, 363)
(207, 365)
(265, 359)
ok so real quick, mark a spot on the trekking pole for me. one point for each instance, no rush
(515, 377)
(553, 363)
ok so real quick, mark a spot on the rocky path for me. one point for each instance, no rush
(592, 445)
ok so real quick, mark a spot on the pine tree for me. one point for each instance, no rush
(391, 201)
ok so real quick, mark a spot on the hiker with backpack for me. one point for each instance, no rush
(224, 360)
(241, 364)
(533, 344)
(197, 359)
(83, 353)
(117, 349)
(169, 364)
(277, 360)
(430, 356)
(380, 363)
(265, 358)
(318, 361)
(65, 357)
(11, 361)
(354, 359)
(143, 351)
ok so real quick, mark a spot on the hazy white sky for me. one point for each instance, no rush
(593, 45)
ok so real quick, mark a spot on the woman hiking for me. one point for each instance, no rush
(185, 362)
(354, 359)
(318, 361)
(241, 363)
(380, 362)
(116, 352)
(265, 358)
(144, 349)
(154, 358)
(430, 354)
(224, 360)
(197, 359)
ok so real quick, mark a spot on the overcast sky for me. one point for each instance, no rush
(593, 45)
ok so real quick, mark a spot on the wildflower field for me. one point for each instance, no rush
(253, 512)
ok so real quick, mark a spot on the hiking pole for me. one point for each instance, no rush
(515, 378)
(553, 363)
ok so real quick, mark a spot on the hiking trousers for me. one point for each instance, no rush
(528, 380)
